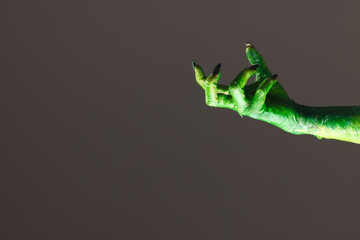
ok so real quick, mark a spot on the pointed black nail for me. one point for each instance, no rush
(217, 69)
(193, 64)
(248, 45)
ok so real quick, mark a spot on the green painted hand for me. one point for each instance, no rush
(266, 100)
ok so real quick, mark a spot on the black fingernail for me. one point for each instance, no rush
(274, 76)
(193, 64)
(248, 44)
(217, 69)
(254, 67)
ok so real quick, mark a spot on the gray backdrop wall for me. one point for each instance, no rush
(90, 149)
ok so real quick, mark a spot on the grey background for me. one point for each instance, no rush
(105, 133)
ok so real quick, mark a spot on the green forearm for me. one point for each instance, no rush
(338, 122)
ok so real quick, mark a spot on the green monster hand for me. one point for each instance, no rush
(266, 100)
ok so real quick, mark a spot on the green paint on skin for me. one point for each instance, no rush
(266, 100)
